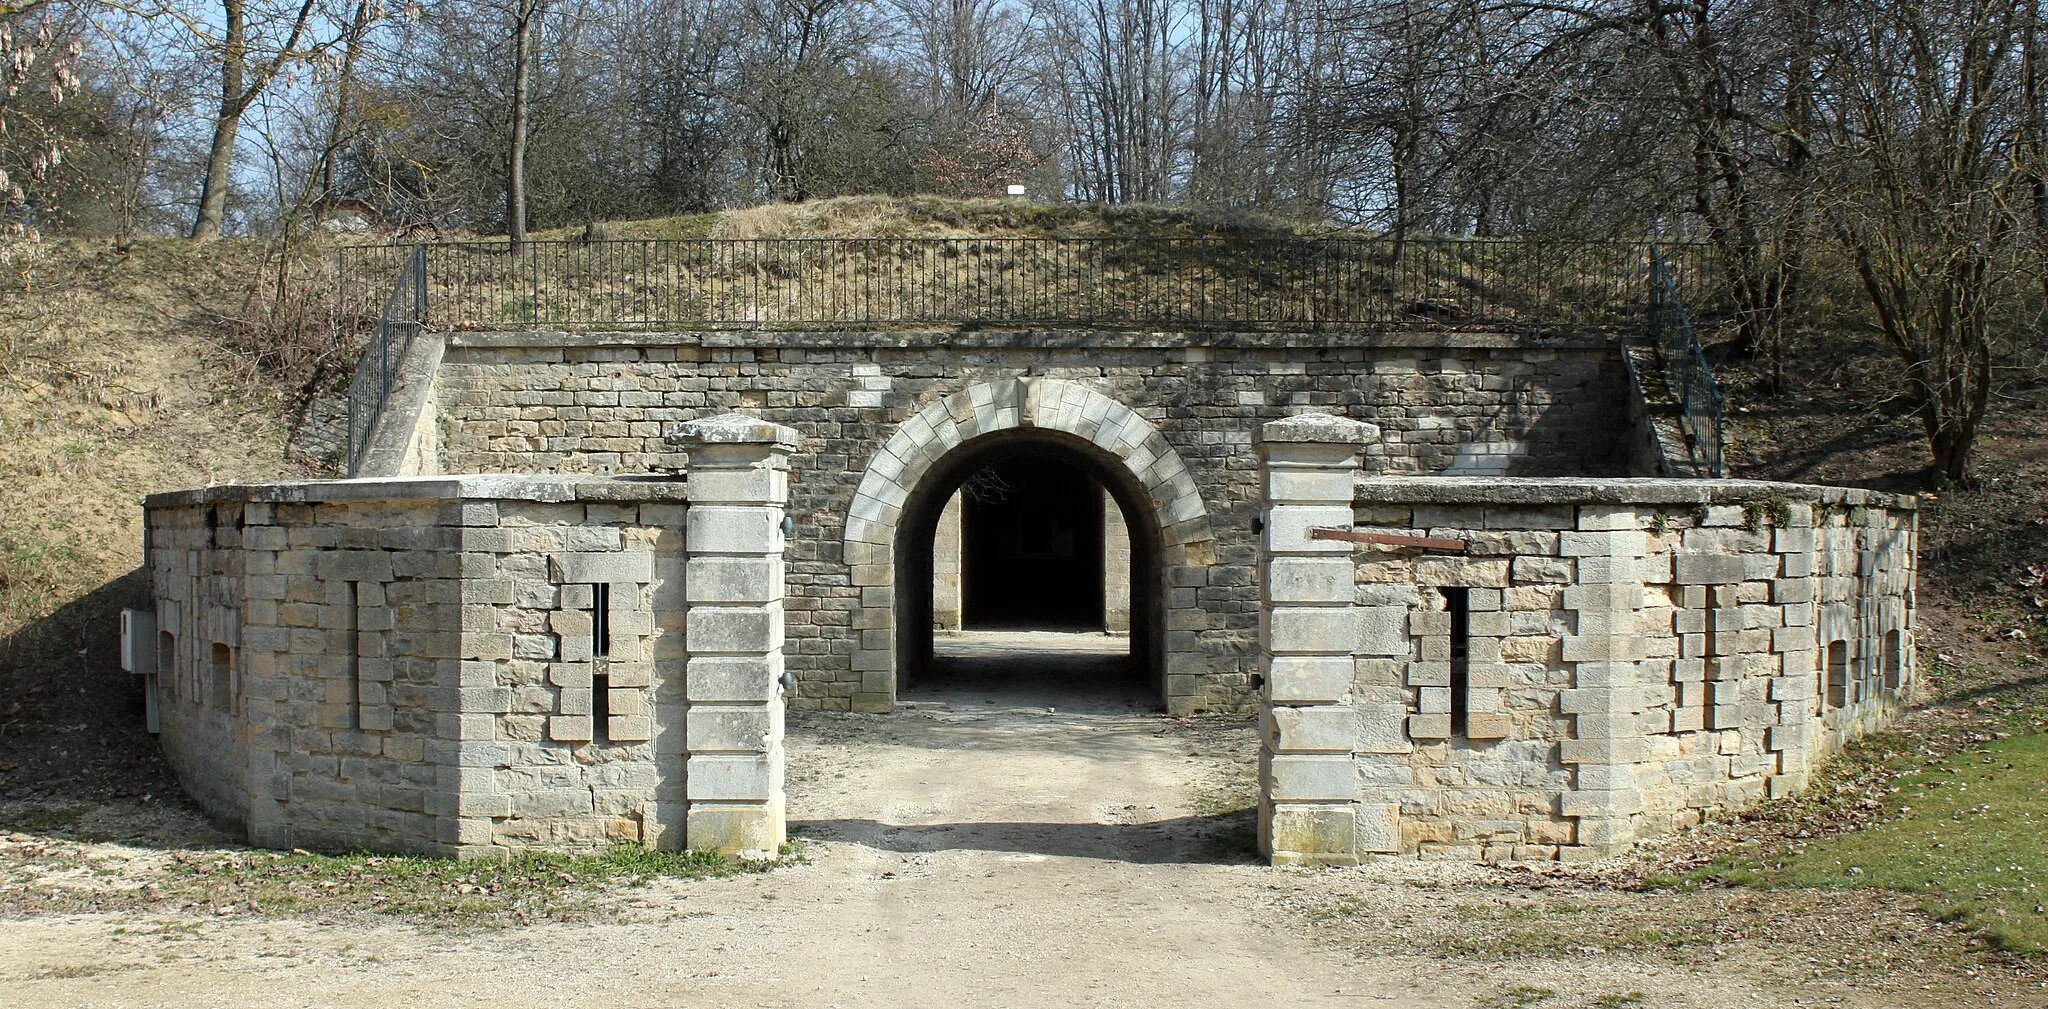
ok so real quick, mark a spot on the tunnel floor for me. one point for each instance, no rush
(1076, 670)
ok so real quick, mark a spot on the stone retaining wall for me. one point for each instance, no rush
(478, 664)
(1462, 403)
(1603, 660)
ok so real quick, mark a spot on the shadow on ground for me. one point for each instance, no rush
(1214, 839)
(1022, 669)
(71, 719)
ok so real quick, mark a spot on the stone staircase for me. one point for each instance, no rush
(1662, 449)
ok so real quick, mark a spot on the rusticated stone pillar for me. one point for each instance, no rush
(737, 482)
(1308, 632)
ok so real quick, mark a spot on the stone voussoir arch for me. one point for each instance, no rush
(900, 466)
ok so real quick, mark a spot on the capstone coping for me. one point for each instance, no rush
(491, 487)
(732, 429)
(1616, 490)
(1322, 428)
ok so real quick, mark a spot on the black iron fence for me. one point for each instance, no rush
(404, 315)
(1158, 283)
(1685, 367)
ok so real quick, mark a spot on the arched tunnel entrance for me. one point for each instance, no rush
(1030, 549)
(1022, 560)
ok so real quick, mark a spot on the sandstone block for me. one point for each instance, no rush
(1327, 629)
(1313, 834)
(1310, 777)
(1488, 726)
(1309, 579)
(1429, 726)
(1381, 728)
(1296, 679)
(1324, 728)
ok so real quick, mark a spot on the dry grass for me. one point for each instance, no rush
(948, 217)
(1114, 275)
(122, 373)
(118, 378)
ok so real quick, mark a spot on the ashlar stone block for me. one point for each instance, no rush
(1298, 679)
(1310, 778)
(1324, 629)
(1318, 729)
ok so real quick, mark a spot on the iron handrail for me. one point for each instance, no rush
(403, 317)
(1701, 407)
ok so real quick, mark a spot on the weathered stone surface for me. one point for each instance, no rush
(449, 643)
(1667, 674)
(1591, 665)
(732, 429)
(1184, 432)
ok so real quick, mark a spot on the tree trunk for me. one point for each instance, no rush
(220, 157)
(527, 13)
(344, 90)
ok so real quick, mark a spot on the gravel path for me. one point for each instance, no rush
(978, 849)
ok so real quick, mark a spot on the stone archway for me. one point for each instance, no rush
(1144, 460)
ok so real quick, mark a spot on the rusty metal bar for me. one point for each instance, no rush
(1387, 539)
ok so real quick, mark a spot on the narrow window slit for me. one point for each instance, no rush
(167, 660)
(355, 655)
(600, 652)
(1459, 602)
(1837, 683)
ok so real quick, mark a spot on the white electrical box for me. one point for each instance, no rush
(138, 641)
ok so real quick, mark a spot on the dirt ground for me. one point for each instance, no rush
(996, 843)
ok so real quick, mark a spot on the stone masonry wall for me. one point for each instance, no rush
(1467, 403)
(1708, 619)
(467, 665)
(332, 617)
(1603, 661)
(198, 573)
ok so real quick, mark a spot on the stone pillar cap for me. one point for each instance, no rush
(1321, 428)
(732, 429)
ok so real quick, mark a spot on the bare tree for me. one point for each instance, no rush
(1927, 127)
(1121, 77)
(801, 56)
(526, 15)
(242, 81)
(36, 75)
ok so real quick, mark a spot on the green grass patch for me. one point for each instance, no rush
(1967, 834)
(523, 888)
(37, 575)
(1518, 996)
(41, 819)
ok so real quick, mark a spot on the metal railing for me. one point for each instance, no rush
(1685, 368)
(1166, 283)
(404, 315)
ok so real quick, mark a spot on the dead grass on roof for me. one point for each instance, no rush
(948, 217)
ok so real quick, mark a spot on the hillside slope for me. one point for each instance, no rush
(120, 375)
(124, 372)
(163, 364)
